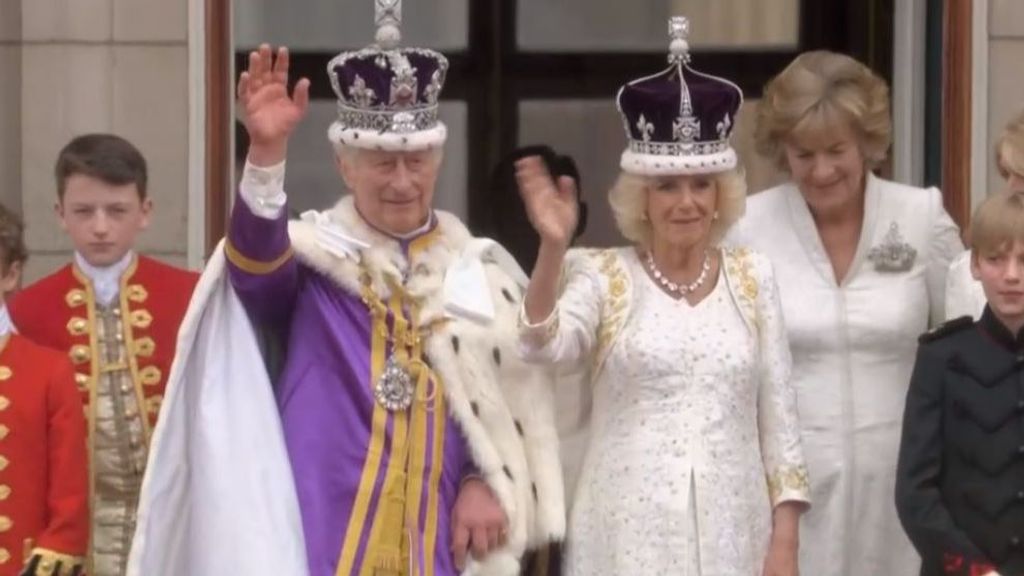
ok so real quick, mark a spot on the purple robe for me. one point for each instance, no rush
(341, 455)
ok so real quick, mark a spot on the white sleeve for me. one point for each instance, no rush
(569, 334)
(944, 245)
(964, 295)
(777, 421)
(262, 190)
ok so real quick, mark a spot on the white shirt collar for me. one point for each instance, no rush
(106, 281)
(417, 232)
(6, 325)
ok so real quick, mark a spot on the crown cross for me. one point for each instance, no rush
(403, 87)
(679, 32)
(388, 12)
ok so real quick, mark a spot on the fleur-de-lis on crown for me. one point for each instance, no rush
(361, 95)
(723, 127)
(433, 90)
(646, 128)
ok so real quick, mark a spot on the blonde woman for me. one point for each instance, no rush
(694, 464)
(861, 265)
(964, 296)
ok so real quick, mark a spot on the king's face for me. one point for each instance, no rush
(393, 191)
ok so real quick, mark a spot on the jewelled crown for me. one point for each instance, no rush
(388, 96)
(679, 120)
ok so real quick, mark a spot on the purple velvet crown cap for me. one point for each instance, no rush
(388, 96)
(679, 120)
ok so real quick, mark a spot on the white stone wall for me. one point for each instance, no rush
(82, 66)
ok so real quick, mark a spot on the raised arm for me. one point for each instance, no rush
(262, 269)
(552, 210)
(555, 326)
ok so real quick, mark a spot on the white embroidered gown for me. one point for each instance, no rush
(684, 414)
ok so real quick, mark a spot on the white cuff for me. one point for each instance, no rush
(262, 189)
(540, 334)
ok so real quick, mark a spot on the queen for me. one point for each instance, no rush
(694, 463)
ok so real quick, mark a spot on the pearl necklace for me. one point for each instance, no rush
(677, 288)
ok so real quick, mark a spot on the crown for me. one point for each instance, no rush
(679, 120)
(388, 96)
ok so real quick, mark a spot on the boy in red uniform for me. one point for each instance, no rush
(44, 515)
(116, 314)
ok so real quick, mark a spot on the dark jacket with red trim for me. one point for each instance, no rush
(960, 478)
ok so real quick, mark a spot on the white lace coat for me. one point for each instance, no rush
(694, 433)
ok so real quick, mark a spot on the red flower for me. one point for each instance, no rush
(981, 568)
(952, 563)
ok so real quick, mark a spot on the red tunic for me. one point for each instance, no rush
(44, 514)
(59, 312)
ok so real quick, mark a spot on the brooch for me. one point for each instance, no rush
(893, 254)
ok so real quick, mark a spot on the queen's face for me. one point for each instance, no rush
(828, 167)
(681, 209)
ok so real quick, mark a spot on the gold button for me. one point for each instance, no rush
(5, 556)
(141, 318)
(5, 402)
(75, 297)
(80, 354)
(5, 492)
(153, 404)
(5, 524)
(82, 380)
(144, 346)
(5, 373)
(137, 293)
(3, 463)
(78, 326)
(4, 431)
(150, 375)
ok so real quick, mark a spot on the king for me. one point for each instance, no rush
(390, 428)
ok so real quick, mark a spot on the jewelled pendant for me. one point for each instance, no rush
(394, 389)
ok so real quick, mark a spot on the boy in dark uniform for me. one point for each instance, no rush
(960, 478)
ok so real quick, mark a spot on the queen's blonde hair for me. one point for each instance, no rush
(628, 199)
(1010, 148)
(817, 91)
